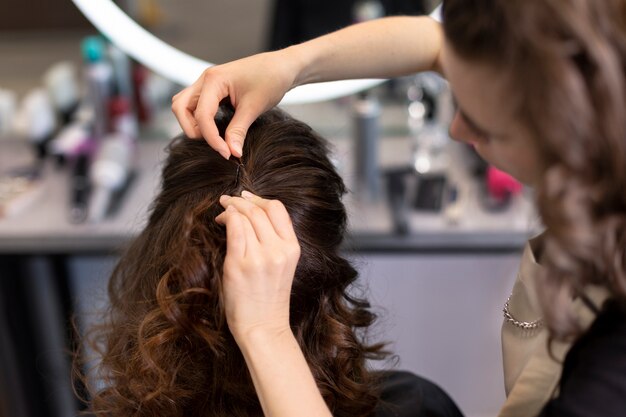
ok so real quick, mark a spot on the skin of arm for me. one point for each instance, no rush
(382, 48)
(281, 376)
(261, 257)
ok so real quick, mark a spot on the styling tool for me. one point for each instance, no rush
(8, 105)
(109, 173)
(36, 121)
(62, 85)
(99, 77)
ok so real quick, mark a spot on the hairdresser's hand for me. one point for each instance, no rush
(261, 256)
(254, 84)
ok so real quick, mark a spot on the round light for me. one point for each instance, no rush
(183, 68)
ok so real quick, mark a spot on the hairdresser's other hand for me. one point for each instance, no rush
(254, 84)
(262, 252)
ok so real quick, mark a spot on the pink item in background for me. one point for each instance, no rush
(501, 185)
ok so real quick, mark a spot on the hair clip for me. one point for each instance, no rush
(237, 175)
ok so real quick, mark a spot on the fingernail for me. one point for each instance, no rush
(236, 146)
(225, 152)
(247, 195)
(224, 198)
(230, 208)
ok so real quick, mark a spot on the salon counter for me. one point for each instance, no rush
(44, 226)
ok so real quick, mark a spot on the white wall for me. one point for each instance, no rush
(443, 314)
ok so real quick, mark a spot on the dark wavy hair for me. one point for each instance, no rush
(566, 64)
(165, 346)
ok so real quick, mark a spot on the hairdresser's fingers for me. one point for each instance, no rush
(245, 115)
(196, 119)
(183, 106)
(214, 90)
(245, 239)
(235, 232)
(187, 121)
(277, 213)
(253, 246)
(256, 215)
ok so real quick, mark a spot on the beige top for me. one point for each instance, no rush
(531, 375)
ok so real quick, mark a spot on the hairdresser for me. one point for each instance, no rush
(541, 94)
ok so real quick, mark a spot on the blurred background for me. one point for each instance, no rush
(435, 232)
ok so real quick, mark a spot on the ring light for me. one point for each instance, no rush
(183, 68)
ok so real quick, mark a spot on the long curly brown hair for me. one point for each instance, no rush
(566, 63)
(165, 346)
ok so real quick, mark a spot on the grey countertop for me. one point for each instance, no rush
(44, 226)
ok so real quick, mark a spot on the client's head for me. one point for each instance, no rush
(166, 349)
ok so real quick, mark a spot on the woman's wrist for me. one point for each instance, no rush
(301, 58)
(262, 336)
(281, 374)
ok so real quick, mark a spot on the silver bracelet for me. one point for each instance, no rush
(525, 325)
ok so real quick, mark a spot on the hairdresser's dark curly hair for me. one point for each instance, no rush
(165, 346)
(566, 64)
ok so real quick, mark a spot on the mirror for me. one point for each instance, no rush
(184, 68)
(219, 31)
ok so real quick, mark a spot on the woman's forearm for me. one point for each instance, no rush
(382, 48)
(281, 376)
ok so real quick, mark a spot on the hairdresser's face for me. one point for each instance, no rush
(486, 118)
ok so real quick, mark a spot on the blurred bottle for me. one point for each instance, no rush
(366, 115)
(122, 71)
(122, 118)
(69, 142)
(121, 107)
(140, 75)
(62, 85)
(8, 106)
(109, 173)
(99, 80)
(364, 10)
(429, 115)
(36, 120)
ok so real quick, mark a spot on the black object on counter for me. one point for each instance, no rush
(366, 142)
(118, 196)
(430, 192)
(80, 189)
(396, 181)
